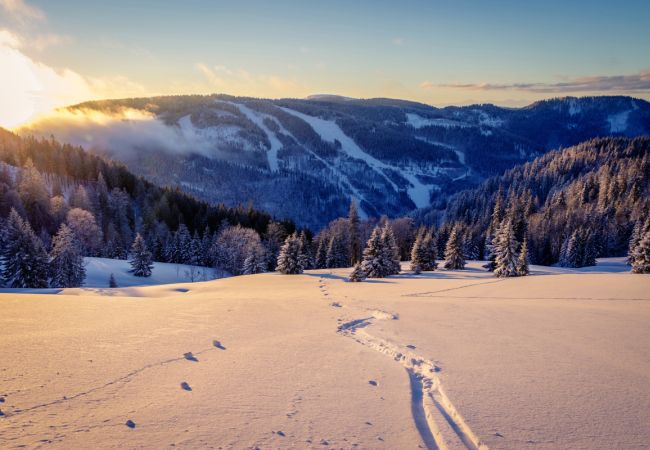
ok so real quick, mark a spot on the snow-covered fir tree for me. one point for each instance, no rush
(24, 256)
(424, 250)
(390, 254)
(357, 274)
(355, 238)
(579, 249)
(493, 231)
(640, 228)
(112, 283)
(306, 257)
(641, 255)
(372, 263)
(321, 252)
(255, 262)
(140, 258)
(66, 261)
(289, 258)
(454, 258)
(522, 261)
(505, 250)
(337, 252)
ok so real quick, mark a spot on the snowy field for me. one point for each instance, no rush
(559, 359)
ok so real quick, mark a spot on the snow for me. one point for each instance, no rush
(558, 359)
(329, 131)
(484, 119)
(417, 122)
(98, 270)
(618, 122)
(258, 119)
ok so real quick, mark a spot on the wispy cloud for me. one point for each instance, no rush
(639, 82)
(241, 81)
(21, 11)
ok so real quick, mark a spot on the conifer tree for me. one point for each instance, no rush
(141, 258)
(255, 262)
(289, 258)
(355, 243)
(25, 259)
(522, 261)
(321, 252)
(306, 258)
(390, 253)
(506, 261)
(372, 263)
(66, 260)
(112, 283)
(430, 250)
(357, 274)
(337, 252)
(418, 255)
(454, 258)
(640, 228)
(641, 255)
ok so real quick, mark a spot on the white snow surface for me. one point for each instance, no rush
(618, 122)
(417, 122)
(258, 119)
(329, 131)
(447, 359)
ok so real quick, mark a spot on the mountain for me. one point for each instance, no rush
(304, 159)
(601, 186)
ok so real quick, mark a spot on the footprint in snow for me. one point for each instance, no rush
(411, 346)
(185, 386)
(372, 382)
(219, 345)
(129, 423)
(190, 357)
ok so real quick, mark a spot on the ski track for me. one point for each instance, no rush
(276, 145)
(329, 131)
(258, 119)
(438, 422)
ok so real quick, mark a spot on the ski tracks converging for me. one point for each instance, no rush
(440, 424)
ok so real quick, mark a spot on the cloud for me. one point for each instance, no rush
(22, 12)
(639, 82)
(241, 81)
(397, 40)
(29, 87)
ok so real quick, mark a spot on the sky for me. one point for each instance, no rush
(511, 53)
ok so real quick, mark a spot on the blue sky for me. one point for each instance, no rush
(437, 52)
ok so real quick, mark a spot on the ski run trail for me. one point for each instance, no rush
(439, 423)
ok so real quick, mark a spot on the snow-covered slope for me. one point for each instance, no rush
(99, 270)
(453, 359)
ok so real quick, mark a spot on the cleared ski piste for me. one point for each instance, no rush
(559, 359)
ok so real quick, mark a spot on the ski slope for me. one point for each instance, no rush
(329, 131)
(449, 359)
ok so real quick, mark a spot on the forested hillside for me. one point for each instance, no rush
(595, 192)
(58, 199)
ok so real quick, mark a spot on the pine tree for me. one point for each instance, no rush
(418, 253)
(640, 228)
(355, 243)
(357, 274)
(321, 251)
(112, 283)
(337, 252)
(25, 259)
(454, 259)
(255, 262)
(373, 255)
(66, 260)
(522, 261)
(641, 255)
(390, 252)
(289, 258)
(141, 258)
(506, 261)
(493, 231)
(306, 258)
